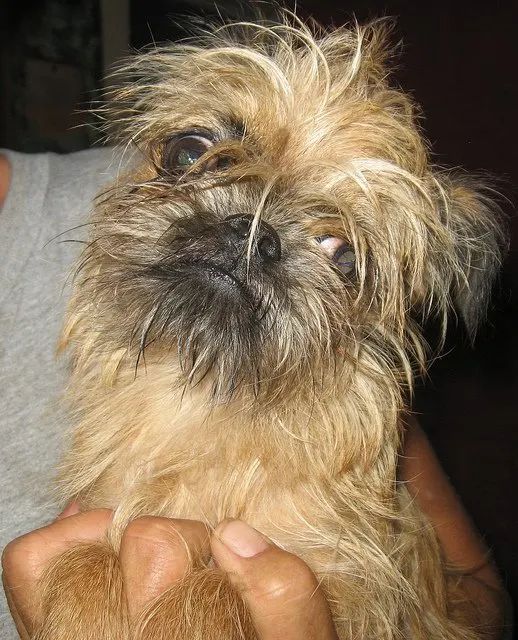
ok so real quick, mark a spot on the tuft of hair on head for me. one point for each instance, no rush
(352, 56)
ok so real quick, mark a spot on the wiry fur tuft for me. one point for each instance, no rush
(276, 399)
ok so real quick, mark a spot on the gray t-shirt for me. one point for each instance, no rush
(49, 194)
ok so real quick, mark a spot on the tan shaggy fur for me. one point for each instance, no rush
(280, 404)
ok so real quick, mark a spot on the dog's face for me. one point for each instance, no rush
(285, 222)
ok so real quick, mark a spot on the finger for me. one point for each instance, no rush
(18, 622)
(155, 553)
(70, 510)
(25, 559)
(280, 590)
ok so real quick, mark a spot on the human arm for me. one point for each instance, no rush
(462, 546)
(5, 178)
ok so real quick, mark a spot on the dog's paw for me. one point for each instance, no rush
(83, 598)
(203, 606)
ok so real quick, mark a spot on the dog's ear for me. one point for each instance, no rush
(478, 241)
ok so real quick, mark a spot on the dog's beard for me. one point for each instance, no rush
(176, 290)
(216, 309)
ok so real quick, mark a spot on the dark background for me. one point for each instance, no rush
(459, 59)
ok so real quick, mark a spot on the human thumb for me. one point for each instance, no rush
(282, 593)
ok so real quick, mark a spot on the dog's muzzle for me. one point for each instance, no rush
(266, 244)
(237, 261)
(236, 257)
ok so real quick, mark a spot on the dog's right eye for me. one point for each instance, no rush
(180, 154)
(341, 253)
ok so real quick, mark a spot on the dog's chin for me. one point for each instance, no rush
(221, 282)
(209, 312)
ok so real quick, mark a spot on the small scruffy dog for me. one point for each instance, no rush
(246, 324)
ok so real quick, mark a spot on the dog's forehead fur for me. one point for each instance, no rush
(299, 98)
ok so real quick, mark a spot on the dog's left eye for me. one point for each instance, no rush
(339, 251)
(180, 154)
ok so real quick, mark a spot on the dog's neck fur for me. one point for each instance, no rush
(318, 477)
(135, 429)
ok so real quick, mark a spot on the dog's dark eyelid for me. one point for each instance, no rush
(201, 133)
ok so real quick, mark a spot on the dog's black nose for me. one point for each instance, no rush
(266, 238)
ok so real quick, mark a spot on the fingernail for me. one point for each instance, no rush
(242, 539)
(70, 510)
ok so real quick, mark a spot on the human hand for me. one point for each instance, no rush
(281, 592)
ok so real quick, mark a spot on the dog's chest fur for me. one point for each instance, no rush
(168, 452)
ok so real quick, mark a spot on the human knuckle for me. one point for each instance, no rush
(151, 529)
(17, 552)
(291, 581)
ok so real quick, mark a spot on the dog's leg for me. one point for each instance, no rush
(203, 606)
(83, 597)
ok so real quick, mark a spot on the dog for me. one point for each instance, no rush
(247, 322)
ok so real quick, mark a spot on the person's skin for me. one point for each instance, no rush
(5, 177)
(280, 590)
(461, 544)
